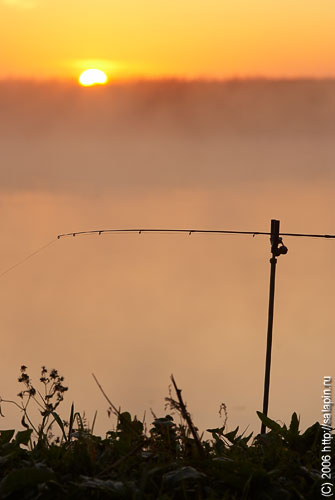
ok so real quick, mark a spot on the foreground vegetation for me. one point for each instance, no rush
(168, 461)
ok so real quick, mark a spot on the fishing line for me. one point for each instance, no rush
(27, 258)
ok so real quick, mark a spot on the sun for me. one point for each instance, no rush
(92, 76)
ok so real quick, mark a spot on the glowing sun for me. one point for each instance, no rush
(92, 77)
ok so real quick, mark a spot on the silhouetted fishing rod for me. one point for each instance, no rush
(277, 248)
(191, 231)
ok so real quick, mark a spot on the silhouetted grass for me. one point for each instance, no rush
(168, 461)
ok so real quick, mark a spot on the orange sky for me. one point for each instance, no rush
(212, 38)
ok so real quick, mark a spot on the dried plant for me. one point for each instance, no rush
(46, 400)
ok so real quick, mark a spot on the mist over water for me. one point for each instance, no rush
(171, 135)
(134, 309)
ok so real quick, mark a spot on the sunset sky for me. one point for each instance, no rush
(186, 134)
(213, 38)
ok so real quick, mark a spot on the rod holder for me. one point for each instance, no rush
(277, 248)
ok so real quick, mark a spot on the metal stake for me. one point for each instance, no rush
(276, 251)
